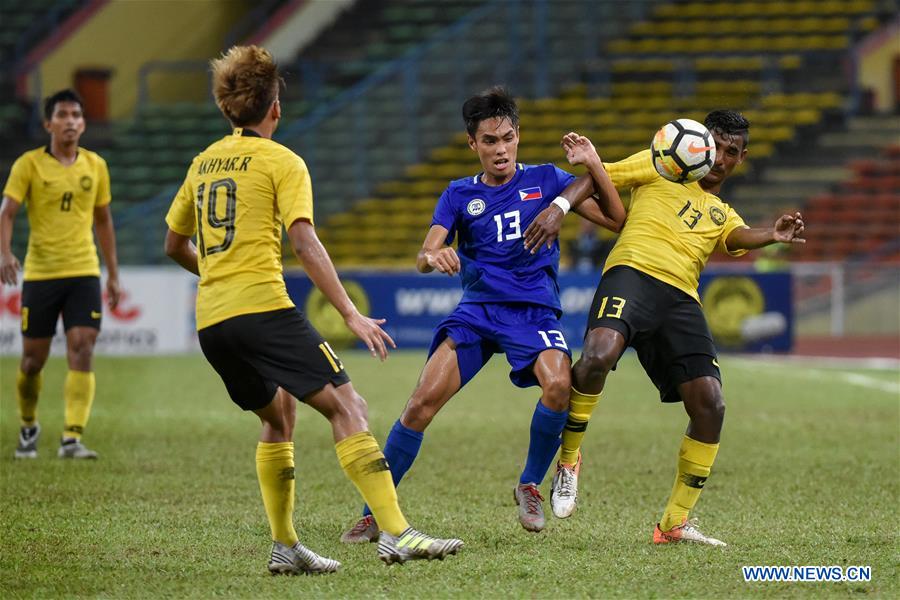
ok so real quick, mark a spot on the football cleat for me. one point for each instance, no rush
(531, 511)
(365, 530)
(28, 439)
(299, 560)
(75, 449)
(414, 545)
(564, 490)
(686, 532)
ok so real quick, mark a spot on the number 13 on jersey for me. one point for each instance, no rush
(616, 305)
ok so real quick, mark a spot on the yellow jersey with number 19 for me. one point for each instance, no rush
(672, 228)
(235, 197)
(60, 200)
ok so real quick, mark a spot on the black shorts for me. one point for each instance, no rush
(663, 324)
(255, 354)
(77, 298)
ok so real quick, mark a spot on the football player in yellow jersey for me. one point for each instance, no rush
(236, 197)
(65, 190)
(647, 299)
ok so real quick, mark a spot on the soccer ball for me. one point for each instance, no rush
(683, 151)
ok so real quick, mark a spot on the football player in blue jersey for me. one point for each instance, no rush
(510, 301)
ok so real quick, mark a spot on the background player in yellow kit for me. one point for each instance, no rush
(236, 197)
(65, 189)
(647, 299)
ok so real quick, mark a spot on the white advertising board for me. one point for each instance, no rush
(155, 315)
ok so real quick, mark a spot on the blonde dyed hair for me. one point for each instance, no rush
(245, 83)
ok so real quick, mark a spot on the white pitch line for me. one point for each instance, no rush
(820, 374)
(871, 382)
(832, 362)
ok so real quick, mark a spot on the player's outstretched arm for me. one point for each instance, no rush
(182, 250)
(106, 237)
(9, 264)
(788, 229)
(435, 255)
(312, 254)
(580, 151)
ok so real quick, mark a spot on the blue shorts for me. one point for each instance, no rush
(521, 331)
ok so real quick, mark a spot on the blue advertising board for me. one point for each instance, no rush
(747, 312)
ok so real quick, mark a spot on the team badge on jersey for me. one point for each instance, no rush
(475, 207)
(86, 183)
(717, 215)
(533, 193)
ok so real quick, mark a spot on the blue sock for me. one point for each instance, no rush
(400, 451)
(546, 428)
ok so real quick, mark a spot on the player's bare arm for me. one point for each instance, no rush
(580, 151)
(182, 250)
(788, 229)
(604, 209)
(545, 227)
(435, 255)
(312, 254)
(106, 237)
(9, 264)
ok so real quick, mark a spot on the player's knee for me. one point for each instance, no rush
(418, 413)
(80, 345)
(357, 407)
(717, 406)
(32, 364)
(596, 361)
(555, 391)
(712, 405)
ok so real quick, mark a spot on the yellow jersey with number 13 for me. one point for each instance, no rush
(60, 200)
(672, 228)
(236, 196)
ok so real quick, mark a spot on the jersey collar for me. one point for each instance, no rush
(244, 132)
(477, 179)
(50, 154)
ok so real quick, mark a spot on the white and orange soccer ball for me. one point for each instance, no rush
(683, 151)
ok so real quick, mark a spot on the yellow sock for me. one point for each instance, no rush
(28, 388)
(695, 460)
(275, 471)
(79, 395)
(580, 408)
(364, 464)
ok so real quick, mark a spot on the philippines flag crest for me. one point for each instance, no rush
(533, 193)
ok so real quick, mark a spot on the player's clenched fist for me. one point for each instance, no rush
(444, 260)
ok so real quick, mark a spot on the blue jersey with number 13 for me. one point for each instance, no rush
(489, 222)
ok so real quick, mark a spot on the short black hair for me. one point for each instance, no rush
(492, 102)
(729, 123)
(67, 95)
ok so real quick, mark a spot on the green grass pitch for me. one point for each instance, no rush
(808, 474)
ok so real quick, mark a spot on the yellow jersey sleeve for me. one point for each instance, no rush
(181, 218)
(293, 190)
(19, 180)
(732, 221)
(634, 171)
(104, 197)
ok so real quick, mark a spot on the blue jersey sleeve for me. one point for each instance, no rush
(563, 179)
(445, 215)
